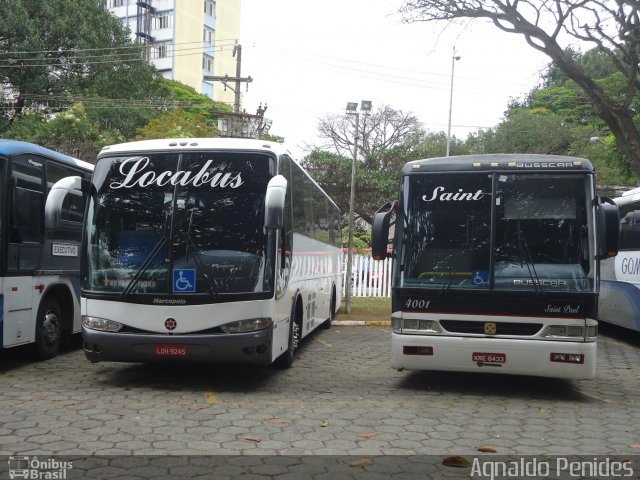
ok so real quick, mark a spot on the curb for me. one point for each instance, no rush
(360, 323)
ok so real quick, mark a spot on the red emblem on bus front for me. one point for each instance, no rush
(170, 324)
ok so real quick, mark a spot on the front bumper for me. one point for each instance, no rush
(243, 348)
(523, 357)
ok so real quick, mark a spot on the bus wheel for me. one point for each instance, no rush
(48, 329)
(327, 323)
(286, 359)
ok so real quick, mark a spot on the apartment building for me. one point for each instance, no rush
(186, 39)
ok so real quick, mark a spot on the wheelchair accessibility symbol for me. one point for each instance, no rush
(480, 277)
(184, 281)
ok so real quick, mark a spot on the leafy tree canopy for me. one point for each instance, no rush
(178, 124)
(70, 132)
(610, 27)
(51, 50)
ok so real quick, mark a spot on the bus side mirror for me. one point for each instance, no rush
(274, 203)
(607, 227)
(57, 195)
(380, 231)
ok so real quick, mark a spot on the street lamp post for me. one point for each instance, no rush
(454, 57)
(352, 109)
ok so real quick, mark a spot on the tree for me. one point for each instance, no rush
(378, 131)
(610, 27)
(385, 137)
(70, 132)
(178, 124)
(534, 130)
(56, 53)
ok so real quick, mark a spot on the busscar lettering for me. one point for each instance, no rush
(459, 196)
(542, 281)
(544, 165)
(133, 170)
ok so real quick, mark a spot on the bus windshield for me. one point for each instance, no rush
(523, 232)
(179, 223)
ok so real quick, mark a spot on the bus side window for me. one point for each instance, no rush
(26, 213)
(629, 229)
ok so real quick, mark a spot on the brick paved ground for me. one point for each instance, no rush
(340, 398)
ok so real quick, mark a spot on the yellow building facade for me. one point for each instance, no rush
(186, 39)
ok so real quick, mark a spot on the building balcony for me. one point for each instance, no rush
(162, 64)
(162, 35)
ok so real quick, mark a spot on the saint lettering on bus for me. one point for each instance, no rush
(459, 196)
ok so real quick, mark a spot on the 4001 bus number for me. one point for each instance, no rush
(417, 304)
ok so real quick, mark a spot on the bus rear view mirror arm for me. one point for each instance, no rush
(380, 230)
(274, 203)
(608, 227)
(74, 185)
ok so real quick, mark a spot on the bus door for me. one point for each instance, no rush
(24, 235)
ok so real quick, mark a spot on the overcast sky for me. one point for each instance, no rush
(308, 59)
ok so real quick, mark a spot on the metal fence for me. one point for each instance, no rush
(371, 278)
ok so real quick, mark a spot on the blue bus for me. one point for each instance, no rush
(39, 276)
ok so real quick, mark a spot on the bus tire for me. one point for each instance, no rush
(332, 309)
(285, 360)
(49, 329)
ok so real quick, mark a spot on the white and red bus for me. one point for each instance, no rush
(495, 264)
(208, 250)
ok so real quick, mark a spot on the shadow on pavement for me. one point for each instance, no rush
(619, 333)
(194, 377)
(470, 384)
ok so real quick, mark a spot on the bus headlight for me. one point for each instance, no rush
(396, 322)
(101, 324)
(245, 326)
(570, 331)
(415, 326)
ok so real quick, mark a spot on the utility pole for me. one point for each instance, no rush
(239, 124)
(352, 109)
(454, 57)
(238, 79)
(237, 52)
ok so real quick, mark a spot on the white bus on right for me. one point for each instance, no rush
(619, 302)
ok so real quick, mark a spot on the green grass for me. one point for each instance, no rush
(369, 309)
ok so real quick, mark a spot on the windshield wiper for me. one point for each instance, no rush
(213, 288)
(465, 250)
(522, 242)
(147, 261)
(143, 268)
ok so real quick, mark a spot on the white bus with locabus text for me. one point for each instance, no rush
(206, 250)
(495, 264)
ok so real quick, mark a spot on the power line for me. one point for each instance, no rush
(81, 62)
(305, 56)
(101, 49)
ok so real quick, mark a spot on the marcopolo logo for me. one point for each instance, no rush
(37, 469)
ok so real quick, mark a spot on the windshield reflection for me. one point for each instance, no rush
(176, 224)
(540, 240)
